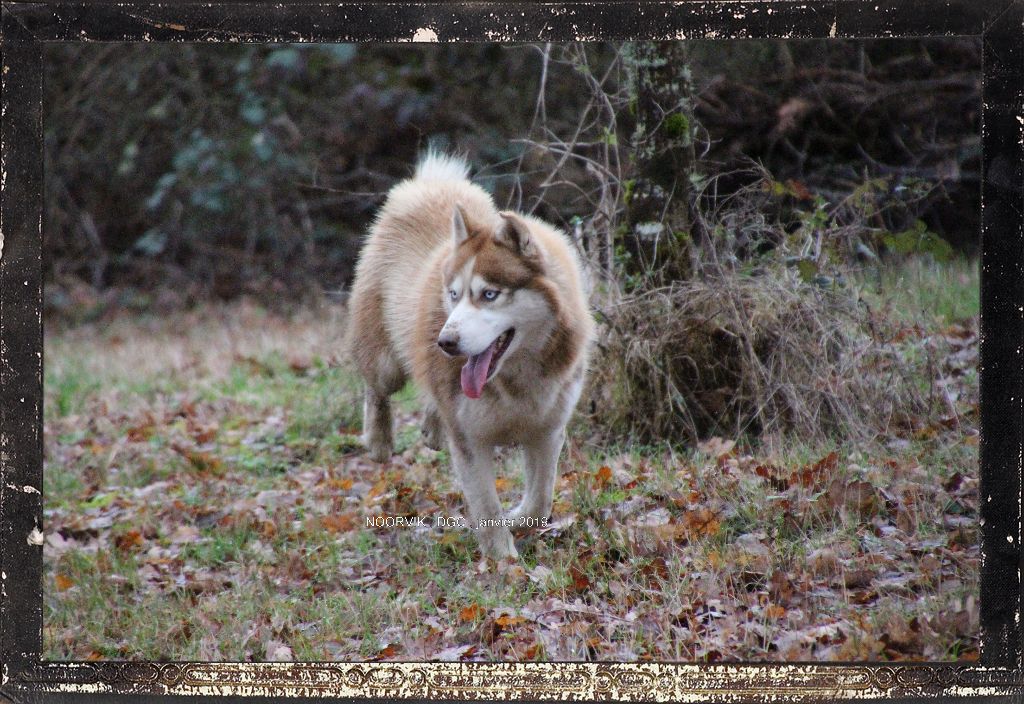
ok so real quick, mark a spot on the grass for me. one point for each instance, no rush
(930, 292)
(206, 498)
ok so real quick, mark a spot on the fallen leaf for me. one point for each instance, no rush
(716, 447)
(338, 523)
(389, 651)
(701, 522)
(471, 613)
(580, 581)
(129, 540)
(185, 534)
(823, 562)
(857, 578)
(278, 652)
(505, 621)
(455, 653)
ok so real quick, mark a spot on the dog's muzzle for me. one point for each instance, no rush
(448, 345)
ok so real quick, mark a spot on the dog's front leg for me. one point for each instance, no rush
(540, 459)
(474, 467)
(433, 430)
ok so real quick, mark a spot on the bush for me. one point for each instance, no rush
(753, 355)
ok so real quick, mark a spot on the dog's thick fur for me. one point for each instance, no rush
(442, 266)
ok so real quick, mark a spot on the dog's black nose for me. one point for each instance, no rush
(449, 346)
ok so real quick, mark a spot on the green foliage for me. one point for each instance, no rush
(226, 169)
(677, 126)
(918, 240)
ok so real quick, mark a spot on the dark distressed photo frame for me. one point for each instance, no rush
(27, 26)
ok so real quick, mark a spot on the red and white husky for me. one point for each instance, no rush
(486, 310)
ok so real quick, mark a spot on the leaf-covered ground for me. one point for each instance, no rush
(206, 498)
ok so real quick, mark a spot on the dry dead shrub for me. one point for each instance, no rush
(763, 355)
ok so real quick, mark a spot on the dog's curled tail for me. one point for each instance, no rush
(438, 166)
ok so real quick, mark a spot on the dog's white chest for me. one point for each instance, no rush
(517, 412)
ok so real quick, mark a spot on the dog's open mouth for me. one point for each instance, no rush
(479, 368)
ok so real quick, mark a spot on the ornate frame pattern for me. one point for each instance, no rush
(25, 26)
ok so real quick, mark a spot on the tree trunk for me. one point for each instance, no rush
(658, 198)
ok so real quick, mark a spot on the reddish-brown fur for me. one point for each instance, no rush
(398, 310)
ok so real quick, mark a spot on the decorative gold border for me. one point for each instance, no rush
(26, 25)
(529, 681)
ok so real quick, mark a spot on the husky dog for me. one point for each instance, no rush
(486, 311)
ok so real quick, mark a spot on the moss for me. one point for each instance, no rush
(629, 186)
(677, 126)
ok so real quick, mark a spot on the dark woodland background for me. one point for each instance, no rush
(181, 173)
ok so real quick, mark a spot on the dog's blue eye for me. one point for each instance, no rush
(453, 293)
(490, 294)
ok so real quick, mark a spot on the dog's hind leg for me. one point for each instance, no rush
(540, 464)
(371, 350)
(378, 426)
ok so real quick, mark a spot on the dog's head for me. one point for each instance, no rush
(496, 294)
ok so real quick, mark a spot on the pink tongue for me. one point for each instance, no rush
(474, 372)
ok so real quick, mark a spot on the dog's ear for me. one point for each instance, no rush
(459, 232)
(515, 234)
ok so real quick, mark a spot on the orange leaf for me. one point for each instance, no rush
(132, 538)
(140, 433)
(501, 483)
(703, 521)
(381, 487)
(799, 190)
(775, 611)
(580, 582)
(63, 582)
(505, 621)
(471, 613)
(388, 651)
(603, 476)
(338, 524)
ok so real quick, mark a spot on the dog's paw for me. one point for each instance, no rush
(433, 440)
(527, 516)
(497, 544)
(377, 451)
(433, 433)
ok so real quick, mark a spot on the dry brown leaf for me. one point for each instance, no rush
(716, 447)
(701, 522)
(857, 578)
(338, 523)
(388, 651)
(455, 653)
(277, 651)
(129, 540)
(506, 621)
(185, 534)
(823, 562)
(471, 613)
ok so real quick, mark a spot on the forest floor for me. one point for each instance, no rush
(206, 498)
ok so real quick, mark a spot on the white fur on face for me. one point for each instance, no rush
(476, 323)
(476, 327)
